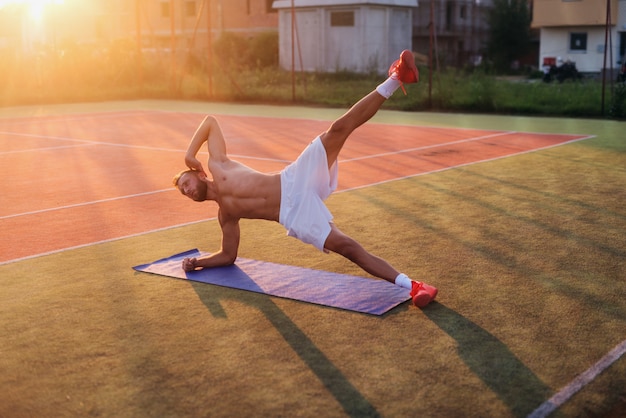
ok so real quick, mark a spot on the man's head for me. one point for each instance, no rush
(192, 184)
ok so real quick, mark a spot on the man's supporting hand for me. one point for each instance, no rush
(189, 264)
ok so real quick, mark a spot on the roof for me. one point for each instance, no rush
(285, 4)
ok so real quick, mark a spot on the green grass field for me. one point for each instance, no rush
(528, 253)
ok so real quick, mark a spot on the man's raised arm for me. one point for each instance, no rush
(209, 131)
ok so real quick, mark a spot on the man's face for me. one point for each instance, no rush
(191, 185)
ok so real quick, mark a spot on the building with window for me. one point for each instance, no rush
(343, 35)
(575, 30)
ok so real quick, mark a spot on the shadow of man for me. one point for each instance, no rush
(350, 399)
(492, 361)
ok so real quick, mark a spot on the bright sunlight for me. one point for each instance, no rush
(35, 7)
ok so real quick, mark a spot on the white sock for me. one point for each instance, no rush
(388, 87)
(403, 281)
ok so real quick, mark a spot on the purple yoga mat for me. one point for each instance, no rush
(360, 294)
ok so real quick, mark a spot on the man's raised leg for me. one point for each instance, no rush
(401, 71)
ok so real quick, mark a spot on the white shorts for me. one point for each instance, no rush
(305, 184)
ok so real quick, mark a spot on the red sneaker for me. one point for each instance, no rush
(404, 69)
(422, 294)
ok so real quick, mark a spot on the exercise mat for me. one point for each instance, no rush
(354, 293)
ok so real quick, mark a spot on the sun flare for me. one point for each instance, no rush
(35, 8)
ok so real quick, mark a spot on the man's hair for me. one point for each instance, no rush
(179, 175)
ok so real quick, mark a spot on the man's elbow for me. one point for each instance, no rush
(228, 258)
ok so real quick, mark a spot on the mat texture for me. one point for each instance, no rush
(360, 294)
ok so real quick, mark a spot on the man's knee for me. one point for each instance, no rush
(339, 128)
(334, 138)
(344, 245)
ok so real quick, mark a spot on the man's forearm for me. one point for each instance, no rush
(217, 259)
(199, 138)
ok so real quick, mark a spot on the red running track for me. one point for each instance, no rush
(71, 181)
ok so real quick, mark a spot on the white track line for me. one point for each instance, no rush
(45, 149)
(111, 199)
(30, 257)
(579, 382)
(103, 114)
(113, 144)
(445, 144)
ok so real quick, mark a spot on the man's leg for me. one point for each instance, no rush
(342, 244)
(421, 293)
(401, 71)
(334, 138)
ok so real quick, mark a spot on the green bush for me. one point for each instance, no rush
(231, 50)
(263, 50)
(259, 51)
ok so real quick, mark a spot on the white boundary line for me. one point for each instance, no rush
(45, 149)
(460, 141)
(85, 142)
(93, 202)
(30, 257)
(60, 117)
(579, 382)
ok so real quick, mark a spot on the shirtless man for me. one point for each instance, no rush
(295, 196)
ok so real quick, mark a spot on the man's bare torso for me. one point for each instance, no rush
(243, 192)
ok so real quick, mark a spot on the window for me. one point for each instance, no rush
(190, 8)
(578, 42)
(342, 18)
(165, 9)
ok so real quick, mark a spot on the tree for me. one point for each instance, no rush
(509, 32)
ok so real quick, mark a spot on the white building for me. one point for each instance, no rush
(336, 35)
(575, 31)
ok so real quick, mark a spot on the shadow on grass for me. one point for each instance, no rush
(492, 361)
(350, 399)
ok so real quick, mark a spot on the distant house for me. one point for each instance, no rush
(461, 30)
(336, 35)
(574, 30)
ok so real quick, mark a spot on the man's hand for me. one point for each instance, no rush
(195, 164)
(189, 264)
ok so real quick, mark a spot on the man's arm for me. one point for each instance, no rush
(209, 131)
(227, 253)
